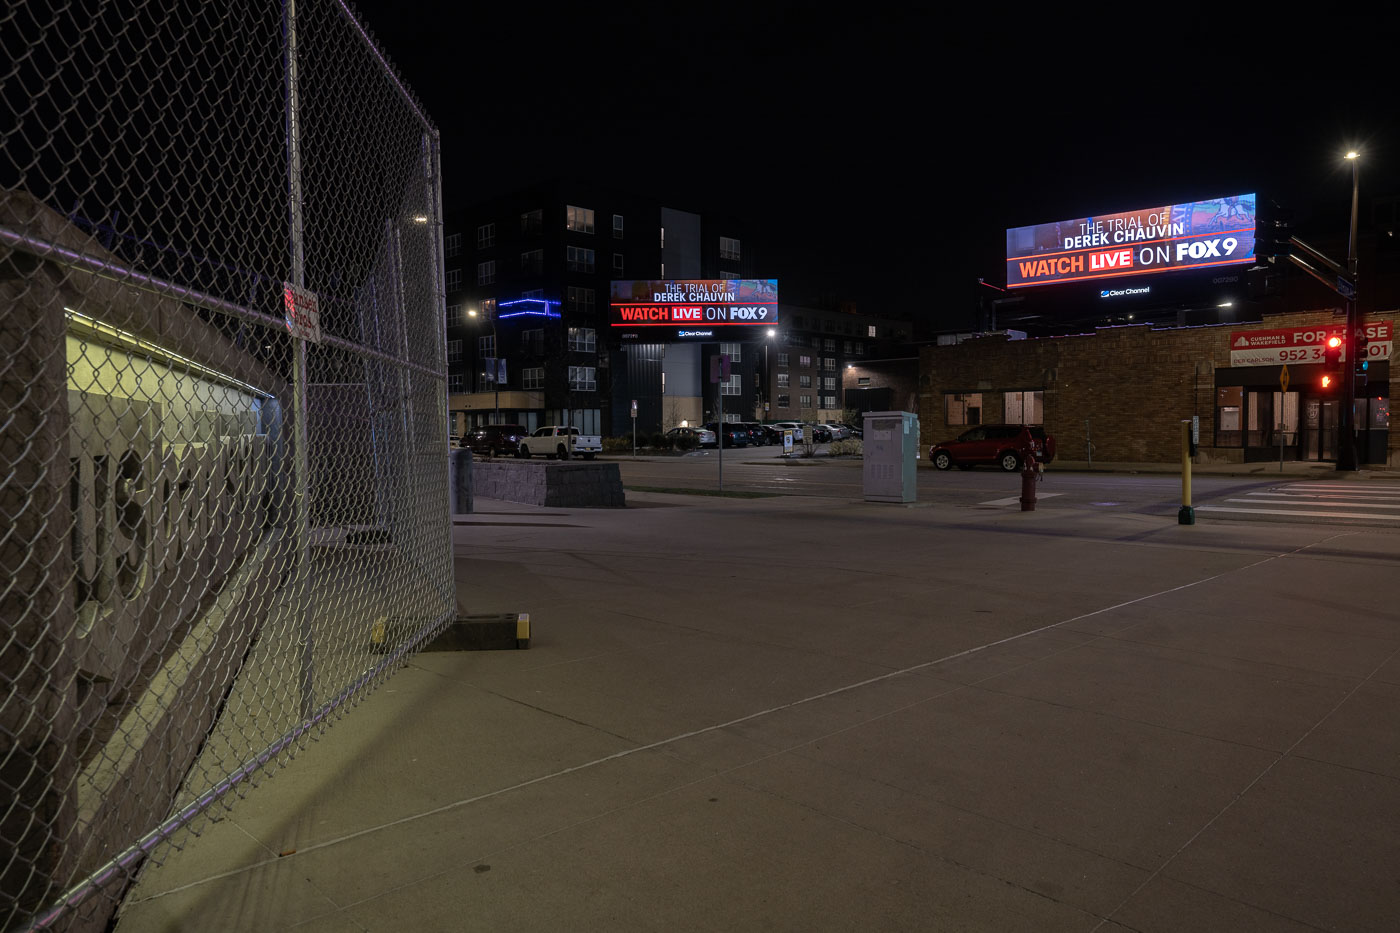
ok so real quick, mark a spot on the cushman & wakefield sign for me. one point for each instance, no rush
(1194, 235)
(1304, 344)
(682, 309)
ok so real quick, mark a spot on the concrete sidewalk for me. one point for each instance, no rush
(798, 713)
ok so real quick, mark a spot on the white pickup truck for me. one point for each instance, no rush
(562, 442)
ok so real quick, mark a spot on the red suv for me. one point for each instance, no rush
(1002, 444)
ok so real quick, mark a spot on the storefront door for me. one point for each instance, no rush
(1320, 430)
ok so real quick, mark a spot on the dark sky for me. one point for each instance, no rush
(881, 156)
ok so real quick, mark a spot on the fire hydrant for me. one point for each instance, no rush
(1030, 473)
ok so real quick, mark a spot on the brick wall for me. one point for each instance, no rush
(1133, 385)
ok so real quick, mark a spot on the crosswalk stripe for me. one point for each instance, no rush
(1012, 500)
(1295, 512)
(1324, 500)
(1352, 505)
(1339, 488)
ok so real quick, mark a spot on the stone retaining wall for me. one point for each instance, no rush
(568, 484)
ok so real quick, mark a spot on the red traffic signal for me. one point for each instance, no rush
(1332, 352)
(1326, 384)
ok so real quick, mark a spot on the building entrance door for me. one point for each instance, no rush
(1320, 430)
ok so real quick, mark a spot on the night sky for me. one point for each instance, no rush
(880, 157)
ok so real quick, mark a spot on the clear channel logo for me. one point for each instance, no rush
(1120, 292)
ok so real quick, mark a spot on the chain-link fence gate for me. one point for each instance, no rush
(217, 529)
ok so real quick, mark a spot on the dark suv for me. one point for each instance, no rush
(734, 433)
(1002, 444)
(501, 440)
(758, 437)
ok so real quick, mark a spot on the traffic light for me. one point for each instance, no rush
(1271, 232)
(1363, 352)
(1332, 353)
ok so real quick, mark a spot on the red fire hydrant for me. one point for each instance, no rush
(1030, 473)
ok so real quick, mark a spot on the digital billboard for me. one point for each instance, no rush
(1172, 238)
(693, 309)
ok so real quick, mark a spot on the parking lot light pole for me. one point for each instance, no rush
(495, 364)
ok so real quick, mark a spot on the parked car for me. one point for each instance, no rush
(732, 433)
(701, 436)
(758, 435)
(774, 435)
(853, 431)
(497, 439)
(560, 441)
(838, 431)
(1002, 444)
(792, 426)
(821, 433)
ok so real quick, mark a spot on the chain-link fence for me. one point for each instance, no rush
(217, 529)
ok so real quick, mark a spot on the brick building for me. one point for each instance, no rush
(1125, 390)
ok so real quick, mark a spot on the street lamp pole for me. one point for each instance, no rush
(495, 363)
(1346, 420)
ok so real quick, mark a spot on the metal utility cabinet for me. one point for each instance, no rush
(891, 452)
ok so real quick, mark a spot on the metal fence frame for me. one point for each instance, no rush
(317, 477)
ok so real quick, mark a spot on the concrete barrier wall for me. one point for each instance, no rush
(568, 485)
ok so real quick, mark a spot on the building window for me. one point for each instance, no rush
(579, 299)
(728, 276)
(456, 382)
(486, 346)
(783, 360)
(486, 272)
(829, 383)
(784, 401)
(580, 259)
(829, 364)
(804, 381)
(846, 347)
(454, 279)
(1024, 408)
(617, 226)
(454, 351)
(732, 386)
(663, 237)
(578, 219)
(488, 308)
(583, 339)
(1229, 403)
(859, 348)
(617, 263)
(965, 408)
(783, 381)
(485, 236)
(862, 380)
(731, 350)
(728, 248)
(533, 293)
(583, 378)
(532, 262)
(456, 315)
(829, 344)
(532, 378)
(806, 402)
(532, 342)
(531, 222)
(870, 331)
(828, 402)
(452, 244)
(804, 361)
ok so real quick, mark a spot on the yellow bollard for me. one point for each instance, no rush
(1186, 515)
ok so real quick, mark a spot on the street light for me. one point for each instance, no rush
(767, 375)
(1346, 423)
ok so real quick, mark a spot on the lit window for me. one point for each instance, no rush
(870, 331)
(783, 380)
(578, 219)
(732, 386)
(804, 381)
(963, 408)
(804, 360)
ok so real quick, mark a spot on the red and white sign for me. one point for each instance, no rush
(302, 311)
(1302, 344)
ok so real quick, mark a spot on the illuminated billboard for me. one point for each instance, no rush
(1195, 235)
(694, 309)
